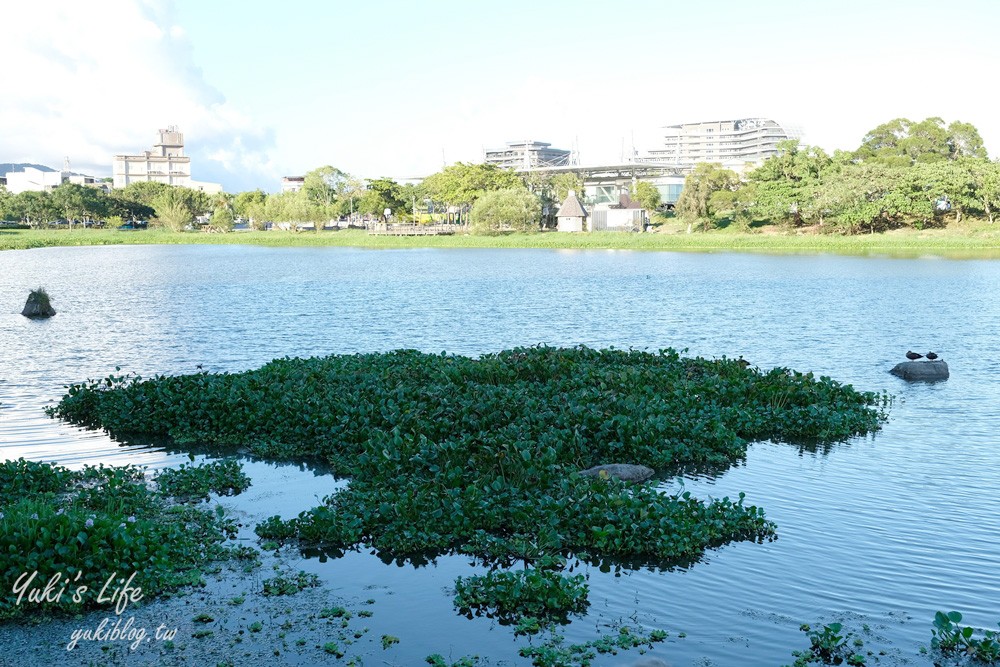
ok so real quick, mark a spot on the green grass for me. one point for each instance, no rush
(980, 240)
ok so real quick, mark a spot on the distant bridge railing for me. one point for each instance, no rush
(410, 229)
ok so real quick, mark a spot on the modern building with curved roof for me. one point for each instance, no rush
(733, 143)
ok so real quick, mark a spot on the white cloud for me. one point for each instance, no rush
(89, 81)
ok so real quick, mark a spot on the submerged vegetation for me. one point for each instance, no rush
(74, 530)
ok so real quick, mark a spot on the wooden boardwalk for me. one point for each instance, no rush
(383, 229)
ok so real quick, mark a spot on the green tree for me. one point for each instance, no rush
(251, 206)
(513, 209)
(964, 141)
(381, 194)
(785, 187)
(79, 202)
(222, 217)
(985, 177)
(6, 204)
(324, 185)
(35, 208)
(142, 192)
(462, 184)
(694, 204)
(874, 197)
(561, 184)
(174, 209)
(647, 195)
(121, 205)
(902, 142)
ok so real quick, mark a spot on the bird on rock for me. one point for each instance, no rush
(931, 355)
(913, 356)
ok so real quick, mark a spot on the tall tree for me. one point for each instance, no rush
(647, 195)
(381, 194)
(35, 208)
(79, 202)
(324, 185)
(902, 142)
(694, 204)
(463, 184)
(784, 187)
(251, 205)
(6, 204)
(964, 141)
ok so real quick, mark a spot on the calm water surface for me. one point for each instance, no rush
(879, 531)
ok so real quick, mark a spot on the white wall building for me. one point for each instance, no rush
(733, 143)
(527, 155)
(165, 163)
(34, 179)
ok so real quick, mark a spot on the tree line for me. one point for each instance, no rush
(489, 199)
(904, 174)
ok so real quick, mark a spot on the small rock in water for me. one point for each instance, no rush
(623, 471)
(37, 306)
(921, 371)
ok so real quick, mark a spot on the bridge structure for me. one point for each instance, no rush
(603, 183)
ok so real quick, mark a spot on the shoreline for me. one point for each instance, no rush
(979, 243)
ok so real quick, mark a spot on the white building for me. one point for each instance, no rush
(292, 183)
(34, 179)
(527, 155)
(572, 216)
(165, 163)
(732, 143)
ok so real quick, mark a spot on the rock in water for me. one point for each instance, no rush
(37, 306)
(623, 471)
(921, 371)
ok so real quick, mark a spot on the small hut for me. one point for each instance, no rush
(572, 215)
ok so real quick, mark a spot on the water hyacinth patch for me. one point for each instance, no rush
(481, 456)
(513, 597)
(93, 524)
(191, 482)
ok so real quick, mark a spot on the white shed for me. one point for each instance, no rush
(572, 215)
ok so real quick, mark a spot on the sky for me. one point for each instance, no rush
(264, 89)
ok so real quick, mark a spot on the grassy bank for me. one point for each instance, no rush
(970, 241)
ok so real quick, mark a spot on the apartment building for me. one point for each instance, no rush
(527, 155)
(733, 143)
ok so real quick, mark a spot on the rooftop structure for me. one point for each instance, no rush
(733, 143)
(292, 183)
(165, 163)
(527, 155)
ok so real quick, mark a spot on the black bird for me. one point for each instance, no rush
(931, 355)
(913, 356)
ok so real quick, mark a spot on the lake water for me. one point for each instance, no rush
(879, 531)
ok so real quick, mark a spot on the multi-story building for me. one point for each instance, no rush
(527, 155)
(292, 183)
(165, 163)
(733, 143)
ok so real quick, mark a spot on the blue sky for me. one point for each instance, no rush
(380, 88)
